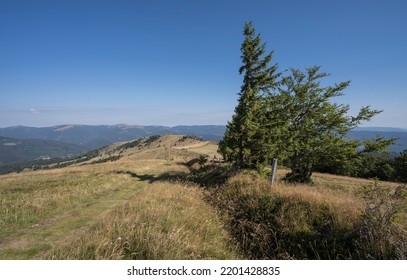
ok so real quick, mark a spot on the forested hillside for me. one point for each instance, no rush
(20, 150)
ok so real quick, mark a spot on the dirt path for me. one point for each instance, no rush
(35, 241)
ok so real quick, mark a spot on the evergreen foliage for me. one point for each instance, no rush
(317, 128)
(400, 165)
(367, 166)
(244, 140)
(292, 119)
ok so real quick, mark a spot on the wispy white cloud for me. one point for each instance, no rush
(34, 111)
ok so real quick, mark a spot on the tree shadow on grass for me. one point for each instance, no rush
(151, 178)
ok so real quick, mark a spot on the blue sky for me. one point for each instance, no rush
(176, 62)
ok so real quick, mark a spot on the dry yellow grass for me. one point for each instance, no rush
(43, 207)
(26, 198)
(345, 206)
(346, 219)
(207, 148)
(164, 221)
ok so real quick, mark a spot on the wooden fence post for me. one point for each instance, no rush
(273, 171)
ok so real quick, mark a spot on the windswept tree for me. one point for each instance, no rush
(317, 128)
(245, 137)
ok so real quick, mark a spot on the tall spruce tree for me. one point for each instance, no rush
(245, 138)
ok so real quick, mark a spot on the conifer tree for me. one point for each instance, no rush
(245, 137)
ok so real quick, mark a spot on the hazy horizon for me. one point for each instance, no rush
(171, 126)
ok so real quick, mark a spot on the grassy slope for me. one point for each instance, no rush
(164, 221)
(127, 209)
(40, 208)
(43, 212)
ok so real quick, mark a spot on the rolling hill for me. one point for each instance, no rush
(160, 147)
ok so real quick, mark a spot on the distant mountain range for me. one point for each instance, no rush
(365, 133)
(381, 129)
(64, 140)
(96, 136)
